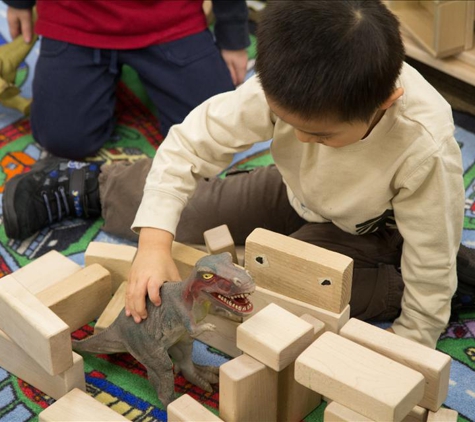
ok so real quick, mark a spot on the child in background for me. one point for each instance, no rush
(366, 164)
(85, 43)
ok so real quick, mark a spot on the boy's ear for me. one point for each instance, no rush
(397, 93)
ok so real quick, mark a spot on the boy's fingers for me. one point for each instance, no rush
(135, 301)
(154, 293)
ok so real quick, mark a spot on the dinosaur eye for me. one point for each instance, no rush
(207, 276)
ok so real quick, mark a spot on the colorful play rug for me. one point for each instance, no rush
(118, 380)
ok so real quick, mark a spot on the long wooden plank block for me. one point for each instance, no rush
(35, 328)
(187, 409)
(299, 270)
(78, 406)
(112, 310)
(45, 271)
(81, 297)
(14, 360)
(333, 321)
(359, 378)
(434, 365)
(117, 259)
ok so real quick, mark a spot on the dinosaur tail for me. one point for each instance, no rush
(107, 341)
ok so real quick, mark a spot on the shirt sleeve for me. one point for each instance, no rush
(20, 4)
(231, 28)
(202, 146)
(431, 241)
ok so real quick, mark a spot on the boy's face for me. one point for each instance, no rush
(332, 133)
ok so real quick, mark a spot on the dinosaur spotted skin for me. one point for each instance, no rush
(170, 328)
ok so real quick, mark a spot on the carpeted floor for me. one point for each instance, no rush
(118, 380)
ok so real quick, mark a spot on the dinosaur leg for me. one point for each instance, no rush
(202, 376)
(159, 369)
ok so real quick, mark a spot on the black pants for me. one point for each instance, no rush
(74, 88)
(258, 198)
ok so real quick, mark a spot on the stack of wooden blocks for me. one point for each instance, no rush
(298, 346)
(302, 345)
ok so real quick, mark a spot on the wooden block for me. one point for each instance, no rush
(80, 298)
(219, 240)
(117, 259)
(434, 365)
(442, 415)
(45, 271)
(34, 327)
(186, 409)
(274, 337)
(247, 391)
(299, 270)
(14, 360)
(418, 414)
(78, 406)
(336, 412)
(112, 310)
(359, 378)
(223, 337)
(333, 321)
(185, 258)
(294, 400)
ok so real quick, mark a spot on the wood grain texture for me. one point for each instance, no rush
(299, 270)
(360, 379)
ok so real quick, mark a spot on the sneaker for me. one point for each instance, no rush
(54, 188)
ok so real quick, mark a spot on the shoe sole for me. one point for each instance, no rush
(13, 231)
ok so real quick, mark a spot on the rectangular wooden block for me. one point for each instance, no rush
(359, 378)
(432, 364)
(294, 400)
(78, 406)
(45, 271)
(117, 259)
(185, 258)
(336, 412)
(299, 270)
(219, 240)
(247, 391)
(79, 298)
(333, 321)
(14, 360)
(112, 310)
(34, 327)
(274, 337)
(442, 415)
(187, 409)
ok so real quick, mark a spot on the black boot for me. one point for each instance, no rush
(53, 189)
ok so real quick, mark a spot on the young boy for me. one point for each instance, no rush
(366, 164)
(85, 44)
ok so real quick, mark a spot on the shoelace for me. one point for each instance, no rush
(59, 194)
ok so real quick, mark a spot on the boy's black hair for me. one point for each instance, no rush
(336, 58)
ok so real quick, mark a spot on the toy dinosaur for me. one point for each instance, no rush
(170, 328)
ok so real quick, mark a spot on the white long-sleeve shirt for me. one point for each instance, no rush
(406, 172)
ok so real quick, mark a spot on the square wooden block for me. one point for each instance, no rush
(274, 336)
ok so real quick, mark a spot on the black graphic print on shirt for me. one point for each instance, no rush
(384, 220)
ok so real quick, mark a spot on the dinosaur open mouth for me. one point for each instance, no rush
(239, 303)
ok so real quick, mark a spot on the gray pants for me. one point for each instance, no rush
(247, 200)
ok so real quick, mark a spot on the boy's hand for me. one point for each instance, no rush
(20, 21)
(236, 60)
(152, 266)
